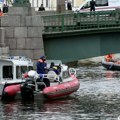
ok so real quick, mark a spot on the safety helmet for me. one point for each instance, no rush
(42, 57)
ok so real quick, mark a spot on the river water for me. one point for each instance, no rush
(97, 99)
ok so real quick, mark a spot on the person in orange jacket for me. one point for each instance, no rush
(41, 64)
(1, 13)
(109, 58)
(41, 69)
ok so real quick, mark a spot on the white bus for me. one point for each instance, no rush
(101, 5)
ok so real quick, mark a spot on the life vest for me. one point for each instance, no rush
(109, 57)
(1, 14)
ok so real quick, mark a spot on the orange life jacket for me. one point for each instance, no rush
(1, 14)
(109, 57)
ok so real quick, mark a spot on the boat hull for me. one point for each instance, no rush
(27, 90)
(62, 89)
(58, 90)
(10, 91)
(111, 65)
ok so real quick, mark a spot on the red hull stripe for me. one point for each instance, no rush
(12, 90)
(62, 89)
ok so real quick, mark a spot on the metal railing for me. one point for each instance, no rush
(80, 21)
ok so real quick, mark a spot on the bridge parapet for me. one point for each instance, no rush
(80, 21)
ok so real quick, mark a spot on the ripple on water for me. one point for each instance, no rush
(98, 98)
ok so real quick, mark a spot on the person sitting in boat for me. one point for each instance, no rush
(109, 58)
(55, 68)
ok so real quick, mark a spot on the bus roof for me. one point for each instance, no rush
(18, 60)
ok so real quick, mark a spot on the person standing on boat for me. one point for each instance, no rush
(41, 69)
(41, 65)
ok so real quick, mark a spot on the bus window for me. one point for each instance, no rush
(23, 69)
(18, 73)
(30, 68)
(7, 72)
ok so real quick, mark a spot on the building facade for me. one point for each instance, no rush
(52, 4)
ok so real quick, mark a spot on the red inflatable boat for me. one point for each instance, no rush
(62, 89)
(32, 88)
(10, 91)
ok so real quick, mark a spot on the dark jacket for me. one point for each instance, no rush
(41, 66)
(5, 9)
(41, 9)
(56, 69)
(69, 6)
(92, 4)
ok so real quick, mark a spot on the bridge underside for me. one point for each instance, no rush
(70, 47)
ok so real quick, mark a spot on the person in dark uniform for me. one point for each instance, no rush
(41, 69)
(41, 64)
(5, 8)
(69, 6)
(92, 5)
(41, 8)
(54, 68)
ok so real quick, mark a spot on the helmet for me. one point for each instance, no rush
(43, 57)
(32, 73)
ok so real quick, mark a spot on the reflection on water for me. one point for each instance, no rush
(97, 99)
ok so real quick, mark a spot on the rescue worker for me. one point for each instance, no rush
(41, 8)
(41, 69)
(109, 58)
(41, 65)
(55, 68)
(1, 13)
(92, 5)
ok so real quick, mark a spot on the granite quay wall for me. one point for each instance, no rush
(4, 50)
(23, 32)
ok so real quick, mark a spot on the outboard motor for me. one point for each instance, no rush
(27, 89)
(42, 83)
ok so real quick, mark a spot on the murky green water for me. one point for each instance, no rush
(97, 99)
